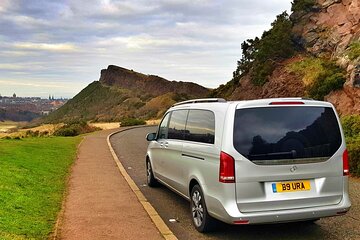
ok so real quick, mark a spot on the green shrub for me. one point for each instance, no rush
(225, 90)
(66, 131)
(30, 133)
(353, 52)
(302, 5)
(308, 68)
(351, 128)
(320, 76)
(353, 147)
(125, 122)
(326, 83)
(261, 72)
(351, 125)
(43, 134)
(74, 128)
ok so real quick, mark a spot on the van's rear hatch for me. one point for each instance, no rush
(290, 157)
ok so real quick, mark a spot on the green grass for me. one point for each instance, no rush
(33, 173)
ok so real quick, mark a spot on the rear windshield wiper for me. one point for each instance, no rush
(274, 155)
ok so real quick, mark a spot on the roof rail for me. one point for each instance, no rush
(201, 100)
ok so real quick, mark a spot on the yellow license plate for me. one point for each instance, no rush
(295, 186)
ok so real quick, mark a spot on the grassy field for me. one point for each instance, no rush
(6, 126)
(33, 173)
(106, 125)
(16, 129)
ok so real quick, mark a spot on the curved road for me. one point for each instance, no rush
(130, 146)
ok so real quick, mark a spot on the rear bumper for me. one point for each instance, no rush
(291, 215)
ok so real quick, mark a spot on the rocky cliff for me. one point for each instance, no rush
(153, 85)
(331, 31)
(327, 30)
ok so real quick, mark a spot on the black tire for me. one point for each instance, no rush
(201, 219)
(150, 179)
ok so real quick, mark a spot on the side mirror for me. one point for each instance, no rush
(151, 136)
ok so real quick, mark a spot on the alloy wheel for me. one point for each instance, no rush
(197, 208)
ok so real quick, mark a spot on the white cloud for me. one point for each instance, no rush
(57, 47)
(5, 5)
(69, 41)
(144, 41)
(26, 22)
(36, 84)
(9, 66)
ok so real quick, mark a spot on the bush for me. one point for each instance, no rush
(320, 76)
(353, 147)
(74, 128)
(30, 133)
(302, 5)
(326, 83)
(351, 125)
(131, 122)
(351, 128)
(308, 68)
(353, 52)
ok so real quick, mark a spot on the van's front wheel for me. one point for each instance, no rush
(201, 219)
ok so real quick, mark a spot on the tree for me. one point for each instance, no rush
(275, 45)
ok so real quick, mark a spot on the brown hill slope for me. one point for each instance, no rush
(154, 85)
(324, 62)
(122, 93)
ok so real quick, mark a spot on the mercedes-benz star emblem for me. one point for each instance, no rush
(293, 168)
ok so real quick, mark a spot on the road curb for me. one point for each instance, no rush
(150, 210)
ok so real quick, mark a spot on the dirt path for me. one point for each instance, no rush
(100, 204)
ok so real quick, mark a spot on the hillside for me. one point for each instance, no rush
(314, 52)
(121, 93)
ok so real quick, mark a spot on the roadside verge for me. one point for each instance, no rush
(155, 217)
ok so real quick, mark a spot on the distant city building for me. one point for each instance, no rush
(31, 104)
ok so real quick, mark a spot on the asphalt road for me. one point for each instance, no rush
(130, 146)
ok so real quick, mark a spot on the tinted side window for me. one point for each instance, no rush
(177, 124)
(163, 128)
(200, 126)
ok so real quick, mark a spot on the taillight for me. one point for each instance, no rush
(287, 103)
(346, 170)
(227, 168)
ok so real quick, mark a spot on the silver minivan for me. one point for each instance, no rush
(250, 162)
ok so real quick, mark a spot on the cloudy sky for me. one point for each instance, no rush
(58, 47)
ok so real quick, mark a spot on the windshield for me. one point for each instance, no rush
(275, 133)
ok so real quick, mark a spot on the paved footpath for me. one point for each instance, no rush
(100, 203)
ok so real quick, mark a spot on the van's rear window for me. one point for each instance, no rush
(275, 133)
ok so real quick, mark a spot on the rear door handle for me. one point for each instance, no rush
(166, 144)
